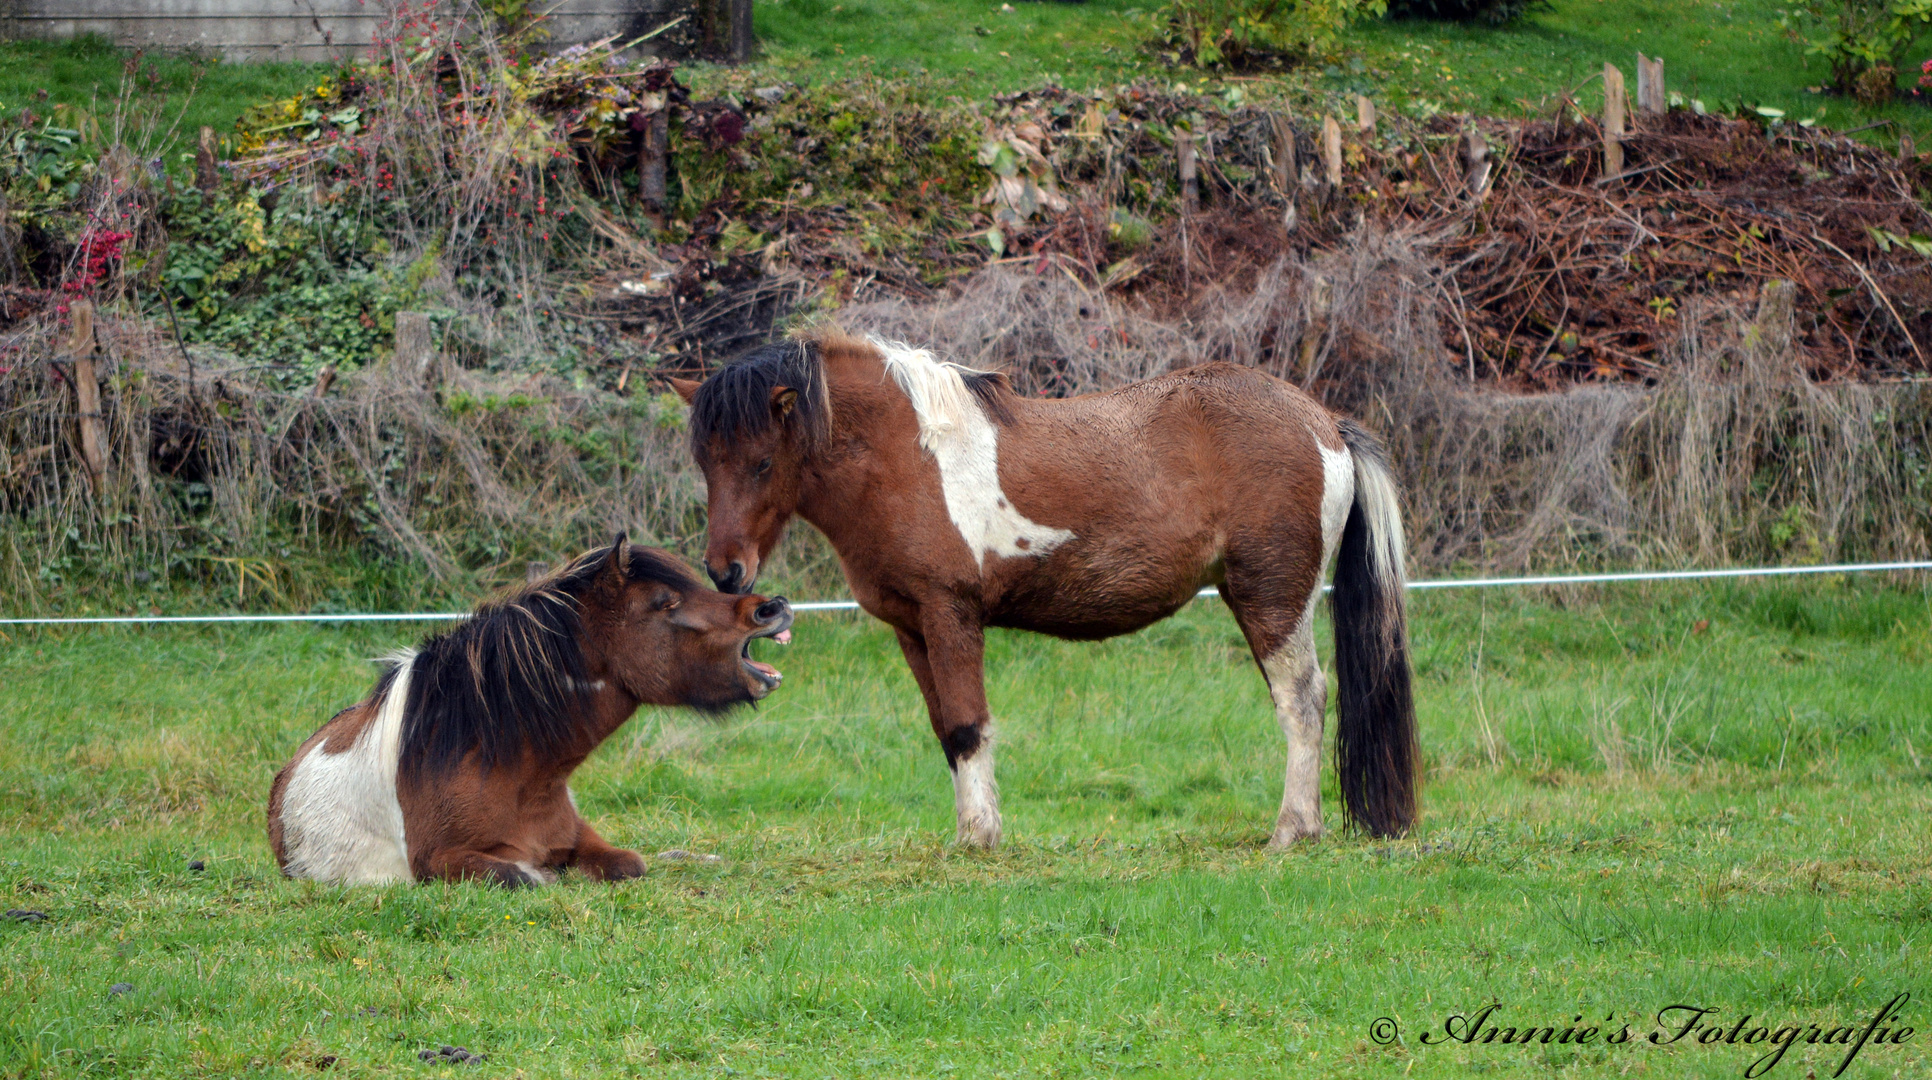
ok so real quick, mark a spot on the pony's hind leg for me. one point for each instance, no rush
(1300, 694)
(1282, 636)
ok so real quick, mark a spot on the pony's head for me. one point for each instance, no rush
(665, 638)
(754, 425)
(519, 676)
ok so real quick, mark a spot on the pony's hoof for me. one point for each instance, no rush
(980, 836)
(621, 866)
(1287, 840)
(511, 876)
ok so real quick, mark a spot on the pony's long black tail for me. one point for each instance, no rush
(1376, 756)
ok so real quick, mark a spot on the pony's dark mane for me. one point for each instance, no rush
(736, 401)
(510, 680)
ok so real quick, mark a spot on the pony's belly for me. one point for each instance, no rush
(341, 820)
(1090, 609)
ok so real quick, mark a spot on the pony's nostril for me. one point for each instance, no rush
(732, 580)
(771, 609)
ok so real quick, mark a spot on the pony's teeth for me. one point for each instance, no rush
(783, 637)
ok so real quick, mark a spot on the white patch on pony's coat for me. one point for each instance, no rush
(341, 821)
(1338, 494)
(965, 441)
(976, 796)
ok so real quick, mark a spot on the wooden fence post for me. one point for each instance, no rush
(415, 346)
(1190, 182)
(1317, 303)
(1286, 170)
(739, 49)
(1475, 163)
(87, 392)
(1612, 121)
(1650, 86)
(1332, 150)
(206, 178)
(653, 149)
(1767, 341)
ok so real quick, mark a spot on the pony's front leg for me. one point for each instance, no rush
(948, 660)
(598, 859)
(462, 864)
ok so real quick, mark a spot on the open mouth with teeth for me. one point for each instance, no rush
(766, 675)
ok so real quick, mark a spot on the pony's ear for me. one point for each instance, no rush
(686, 388)
(783, 399)
(617, 565)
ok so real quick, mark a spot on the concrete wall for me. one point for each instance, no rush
(307, 30)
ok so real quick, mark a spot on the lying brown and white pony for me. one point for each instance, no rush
(954, 504)
(456, 765)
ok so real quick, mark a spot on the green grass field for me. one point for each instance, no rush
(1684, 794)
(171, 96)
(1725, 53)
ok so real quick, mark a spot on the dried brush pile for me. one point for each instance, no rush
(1555, 275)
(1715, 356)
(216, 479)
(1562, 276)
(1734, 455)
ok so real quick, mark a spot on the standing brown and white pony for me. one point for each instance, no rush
(457, 764)
(954, 505)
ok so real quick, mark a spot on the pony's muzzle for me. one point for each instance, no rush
(774, 620)
(774, 610)
(734, 579)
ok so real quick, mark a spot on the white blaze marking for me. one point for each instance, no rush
(976, 796)
(341, 821)
(965, 442)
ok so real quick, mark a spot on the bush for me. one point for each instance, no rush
(1859, 37)
(1241, 34)
(1494, 12)
(301, 283)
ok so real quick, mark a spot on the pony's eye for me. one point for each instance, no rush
(764, 467)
